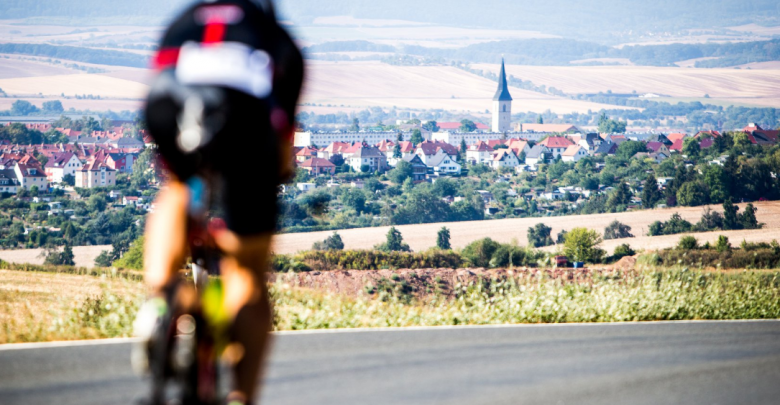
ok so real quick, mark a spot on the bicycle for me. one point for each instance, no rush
(183, 334)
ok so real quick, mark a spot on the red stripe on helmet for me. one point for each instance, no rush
(165, 58)
(214, 32)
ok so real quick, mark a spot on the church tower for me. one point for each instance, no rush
(502, 104)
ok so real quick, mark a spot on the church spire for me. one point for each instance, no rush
(502, 94)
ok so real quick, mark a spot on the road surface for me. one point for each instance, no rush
(646, 363)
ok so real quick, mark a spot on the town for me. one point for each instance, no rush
(53, 174)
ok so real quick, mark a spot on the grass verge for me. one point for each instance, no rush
(38, 306)
(615, 297)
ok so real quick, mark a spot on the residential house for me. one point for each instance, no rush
(677, 136)
(707, 134)
(367, 157)
(518, 146)
(306, 186)
(121, 162)
(487, 196)
(658, 147)
(8, 181)
(605, 148)
(760, 136)
(419, 168)
(658, 157)
(429, 149)
(443, 164)
(305, 154)
(504, 158)
(589, 141)
(333, 149)
(659, 138)
(574, 153)
(556, 145)
(479, 153)
(61, 165)
(676, 146)
(538, 154)
(132, 201)
(96, 173)
(30, 174)
(316, 166)
(406, 148)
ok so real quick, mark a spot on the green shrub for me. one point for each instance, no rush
(622, 251)
(688, 242)
(617, 230)
(366, 260)
(479, 253)
(332, 242)
(539, 236)
(582, 245)
(507, 256)
(134, 257)
(394, 243)
(723, 244)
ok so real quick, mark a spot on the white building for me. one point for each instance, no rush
(574, 153)
(321, 139)
(504, 158)
(61, 165)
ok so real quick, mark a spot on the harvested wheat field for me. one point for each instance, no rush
(74, 84)
(84, 256)
(421, 237)
(760, 87)
(15, 68)
(422, 87)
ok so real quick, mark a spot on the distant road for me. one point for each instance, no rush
(645, 363)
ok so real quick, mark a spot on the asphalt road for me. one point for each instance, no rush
(648, 363)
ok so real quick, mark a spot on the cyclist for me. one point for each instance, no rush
(224, 102)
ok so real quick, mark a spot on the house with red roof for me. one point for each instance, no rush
(68, 132)
(676, 136)
(316, 166)
(712, 134)
(574, 153)
(556, 144)
(504, 158)
(760, 136)
(96, 172)
(60, 165)
(658, 147)
(122, 162)
(305, 154)
(385, 145)
(431, 148)
(677, 146)
(479, 153)
(518, 146)
(331, 150)
(29, 173)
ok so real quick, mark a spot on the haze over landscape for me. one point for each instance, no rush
(471, 165)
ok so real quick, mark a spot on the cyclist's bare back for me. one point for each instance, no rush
(223, 106)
